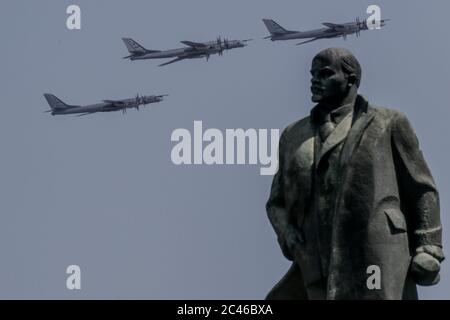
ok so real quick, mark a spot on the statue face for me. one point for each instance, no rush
(328, 82)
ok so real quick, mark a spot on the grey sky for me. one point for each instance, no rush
(101, 191)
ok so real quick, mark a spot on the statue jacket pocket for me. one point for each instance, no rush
(396, 220)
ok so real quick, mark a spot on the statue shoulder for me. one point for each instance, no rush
(296, 129)
(386, 113)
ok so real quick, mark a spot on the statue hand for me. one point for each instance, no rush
(425, 265)
(285, 248)
(288, 242)
(435, 251)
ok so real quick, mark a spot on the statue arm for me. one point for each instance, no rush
(417, 188)
(420, 198)
(275, 207)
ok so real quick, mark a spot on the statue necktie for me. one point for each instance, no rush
(326, 128)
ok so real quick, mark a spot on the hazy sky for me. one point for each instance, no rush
(101, 191)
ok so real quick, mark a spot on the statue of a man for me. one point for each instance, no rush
(353, 204)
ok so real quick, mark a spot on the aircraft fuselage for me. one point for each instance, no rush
(317, 33)
(106, 106)
(98, 107)
(187, 52)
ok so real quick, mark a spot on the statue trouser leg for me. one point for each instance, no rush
(317, 290)
(290, 287)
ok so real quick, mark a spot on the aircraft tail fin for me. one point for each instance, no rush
(135, 48)
(54, 102)
(274, 28)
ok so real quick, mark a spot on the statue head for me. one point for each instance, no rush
(336, 75)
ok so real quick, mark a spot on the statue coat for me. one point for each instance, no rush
(387, 205)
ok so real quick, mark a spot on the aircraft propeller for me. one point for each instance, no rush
(139, 100)
(219, 44)
(359, 26)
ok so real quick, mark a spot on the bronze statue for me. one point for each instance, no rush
(353, 192)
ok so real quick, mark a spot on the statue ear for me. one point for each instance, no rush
(351, 78)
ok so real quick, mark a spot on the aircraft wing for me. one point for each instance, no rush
(334, 26)
(195, 45)
(84, 114)
(116, 103)
(171, 61)
(310, 40)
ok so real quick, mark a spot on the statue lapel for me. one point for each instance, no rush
(336, 137)
(364, 115)
(304, 158)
